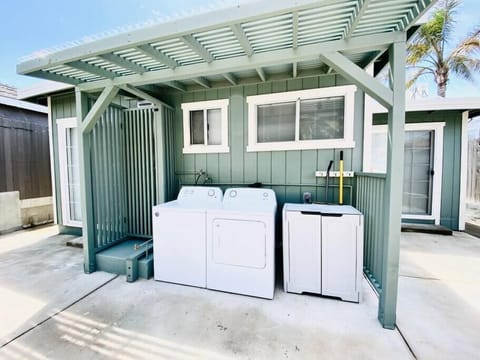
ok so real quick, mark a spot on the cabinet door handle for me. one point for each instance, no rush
(320, 214)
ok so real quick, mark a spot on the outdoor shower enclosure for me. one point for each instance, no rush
(131, 166)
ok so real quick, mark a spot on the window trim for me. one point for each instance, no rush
(62, 126)
(347, 91)
(189, 148)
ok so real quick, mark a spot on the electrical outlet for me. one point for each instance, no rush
(334, 174)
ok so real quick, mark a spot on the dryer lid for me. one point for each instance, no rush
(250, 199)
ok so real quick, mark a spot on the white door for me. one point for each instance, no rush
(423, 156)
(69, 171)
(304, 253)
(239, 243)
(340, 256)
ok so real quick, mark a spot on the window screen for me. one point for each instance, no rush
(276, 122)
(322, 118)
(196, 127)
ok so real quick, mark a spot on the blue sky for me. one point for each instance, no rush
(35, 25)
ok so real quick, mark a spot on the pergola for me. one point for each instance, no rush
(252, 42)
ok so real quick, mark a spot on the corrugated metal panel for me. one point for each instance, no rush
(140, 170)
(107, 139)
(169, 146)
(370, 201)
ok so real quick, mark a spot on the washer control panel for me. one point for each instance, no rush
(199, 194)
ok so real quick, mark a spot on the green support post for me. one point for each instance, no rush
(393, 186)
(88, 230)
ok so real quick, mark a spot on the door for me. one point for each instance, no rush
(239, 243)
(69, 171)
(418, 172)
(422, 168)
(304, 253)
(340, 256)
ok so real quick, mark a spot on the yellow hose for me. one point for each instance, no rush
(340, 187)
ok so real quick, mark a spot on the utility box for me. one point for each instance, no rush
(323, 250)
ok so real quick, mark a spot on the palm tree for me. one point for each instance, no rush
(428, 54)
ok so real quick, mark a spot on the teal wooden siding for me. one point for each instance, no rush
(288, 173)
(452, 135)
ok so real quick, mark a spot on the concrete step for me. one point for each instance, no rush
(426, 228)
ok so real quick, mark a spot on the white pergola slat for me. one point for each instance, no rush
(242, 32)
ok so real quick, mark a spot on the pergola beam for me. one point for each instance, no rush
(294, 69)
(242, 39)
(231, 79)
(202, 82)
(190, 41)
(359, 77)
(145, 96)
(86, 186)
(393, 189)
(363, 5)
(105, 98)
(176, 85)
(379, 42)
(92, 69)
(295, 29)
(157, 55)
(124, 63)
(261, 74)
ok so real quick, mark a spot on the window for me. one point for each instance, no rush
(205, 126)
(69, 171)
(307, 119)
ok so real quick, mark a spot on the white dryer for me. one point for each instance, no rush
(241, 243)
(179, 235)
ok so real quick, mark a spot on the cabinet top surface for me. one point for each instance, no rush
(322, 208)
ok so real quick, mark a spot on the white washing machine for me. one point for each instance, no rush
(179, 235)
(241, 243)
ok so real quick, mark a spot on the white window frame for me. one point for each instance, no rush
(62, 126)
(437, 127)
(189, 148)
(348, 92)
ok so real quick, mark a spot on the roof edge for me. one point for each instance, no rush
(23, 105)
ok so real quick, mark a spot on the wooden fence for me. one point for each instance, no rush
(24, 153)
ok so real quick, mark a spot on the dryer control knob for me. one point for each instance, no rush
(265, 194)
(157, 214)
(233, 193)
(211, 192)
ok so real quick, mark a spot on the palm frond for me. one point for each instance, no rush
(470, 46)
(416, 76)
(464, 67)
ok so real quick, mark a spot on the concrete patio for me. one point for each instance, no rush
(52, 310)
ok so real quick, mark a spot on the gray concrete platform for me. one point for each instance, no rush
(49, 309)
(439, 295)
(39, 276)
(149, 319)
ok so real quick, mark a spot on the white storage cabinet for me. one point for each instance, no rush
(323, 250)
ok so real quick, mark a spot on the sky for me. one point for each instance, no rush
(35, 25)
